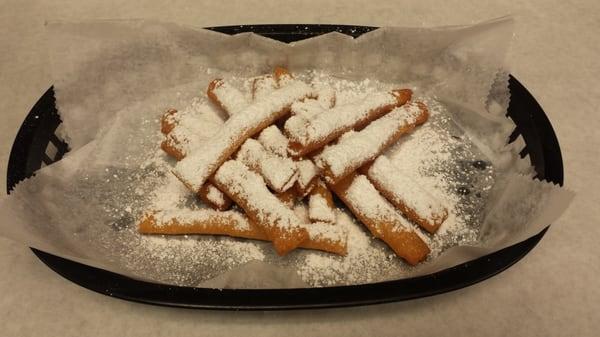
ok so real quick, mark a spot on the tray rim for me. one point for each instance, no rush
(61, 266)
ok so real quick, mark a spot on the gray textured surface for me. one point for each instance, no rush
(552, 292)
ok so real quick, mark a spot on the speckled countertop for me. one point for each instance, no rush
(552, 292)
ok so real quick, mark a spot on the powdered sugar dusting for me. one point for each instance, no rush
(197, 167)
(273, 140)
(251, 187)
(360, 147)
(306, 172)
(187, 216)
(367, 261)
(405, 190)
(319, 210)
(340, 117)
(436, 156)
(214, 195)
(232, 99)
(278, 172)
(440, 159)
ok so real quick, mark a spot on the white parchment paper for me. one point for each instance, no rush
(113, 79)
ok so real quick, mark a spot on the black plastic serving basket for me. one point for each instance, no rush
(37, 144)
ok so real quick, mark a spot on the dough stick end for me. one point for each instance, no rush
(402, 96)
(167, 123)
(407, 245)
(173, 151)
(286, 242)
(281, 72)
(422, 118)
(147, 224)
(210, 92)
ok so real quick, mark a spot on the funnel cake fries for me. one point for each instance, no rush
(226, 97)
(320, 204)
(200, 221)
(288, 197)
(278, 172)
(381, 218)
(327, 97)
(249, 191)
(309, 135)
(281, 154)
(232, 223)
(264, 85)
(176, 145)
(274, 141)
(307, 177)
(413, 201)
(306, 110)
(213, 197)
(357, 148)
(194, 169)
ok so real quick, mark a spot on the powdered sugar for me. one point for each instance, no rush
(307, 171)
(278, 172)
(366, 200)
(214, 195)
(326, 95)
(367, 260)
(326, 231)
(188, 260)
(260, 201)
(263, 86)
(441, 160)
(196, 168)
(339, 118)
(360, 147)
(405, 190)
(273, 140)
(188, 216)
(319, 210)
(229, 97)
(307, 109)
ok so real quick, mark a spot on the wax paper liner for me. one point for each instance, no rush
(113, 78)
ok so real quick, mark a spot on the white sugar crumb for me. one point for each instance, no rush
(319, 210)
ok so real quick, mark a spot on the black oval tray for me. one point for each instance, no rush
(37, 133)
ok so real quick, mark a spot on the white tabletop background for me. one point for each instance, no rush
(553, 291)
